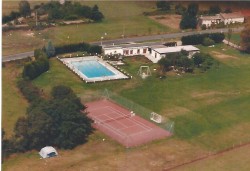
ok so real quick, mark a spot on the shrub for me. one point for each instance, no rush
(30, 92)
(78, 47)
(33, 69)
(71, 17)
(198, 38)
(207, 42)
(203, 27)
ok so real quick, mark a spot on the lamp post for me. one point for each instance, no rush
(105, 34)
(101, 40)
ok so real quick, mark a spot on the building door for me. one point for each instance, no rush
(138, 51)
(144, 50)
(131, 51)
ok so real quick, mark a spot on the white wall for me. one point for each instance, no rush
(113, 51)
(234, 20)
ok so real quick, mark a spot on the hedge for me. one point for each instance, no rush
(198, 38)
(33, 69)
(30, 92)
(78, 47)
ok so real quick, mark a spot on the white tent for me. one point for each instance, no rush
(47, 152)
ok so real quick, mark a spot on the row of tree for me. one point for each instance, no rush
(199, 38)
(180, 9)
(181, 61)
(60, 121)
(69, 11)
(24, 11)
(56, 11)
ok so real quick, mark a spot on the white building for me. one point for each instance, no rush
(226, 18)
(159, 52)
(209, 20)
(152, 51)
(235, 17)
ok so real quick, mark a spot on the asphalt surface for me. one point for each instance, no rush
(132, 39)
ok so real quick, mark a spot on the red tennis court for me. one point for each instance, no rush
(122, 125)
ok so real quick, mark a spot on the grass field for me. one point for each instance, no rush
(236, 38)
(234, 160)
(121, 18)
(13, 103)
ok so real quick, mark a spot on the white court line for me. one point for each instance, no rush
(111, 128)
(122, 114)
(135, 121)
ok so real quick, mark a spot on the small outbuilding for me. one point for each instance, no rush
(47, 152)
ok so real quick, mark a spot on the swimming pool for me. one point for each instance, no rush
(92, 69)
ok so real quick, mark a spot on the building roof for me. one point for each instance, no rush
(232, 15)
(246, 12)
(133, 45)
(214, 17)
(175, 49)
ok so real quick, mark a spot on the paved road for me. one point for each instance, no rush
(132, 39)
(163, 36)
(17, 56)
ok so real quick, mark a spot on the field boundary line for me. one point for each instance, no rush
(209, 155)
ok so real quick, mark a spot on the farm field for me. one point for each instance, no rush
(207, 109)
(125, 18)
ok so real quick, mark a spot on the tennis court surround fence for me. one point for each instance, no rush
(139, 110)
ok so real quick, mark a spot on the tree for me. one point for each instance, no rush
(214, 10)
(188, 21)
(179, 9)
(229, 34)
(24, 8)
(61, 121)
(228, 10)
(163, 5)
(50, 49)
(96, 15)
(245, 38)
(198, 59)
(193, 9)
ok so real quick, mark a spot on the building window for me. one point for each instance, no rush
(155, 55)
(131, 51)
(125, 52)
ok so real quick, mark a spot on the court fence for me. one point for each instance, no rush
(139, 110)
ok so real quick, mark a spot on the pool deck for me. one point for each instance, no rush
(68, 63)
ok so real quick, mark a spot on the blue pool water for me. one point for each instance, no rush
(92, 69)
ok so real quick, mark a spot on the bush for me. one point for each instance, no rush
(33, 69)
(13, 15)
(78, 47)
(203, 27)
(198, 38)
(207, 42)
(30, 92)
(71, 17)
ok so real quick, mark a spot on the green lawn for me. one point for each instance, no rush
(235, 38)
(13, 103)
